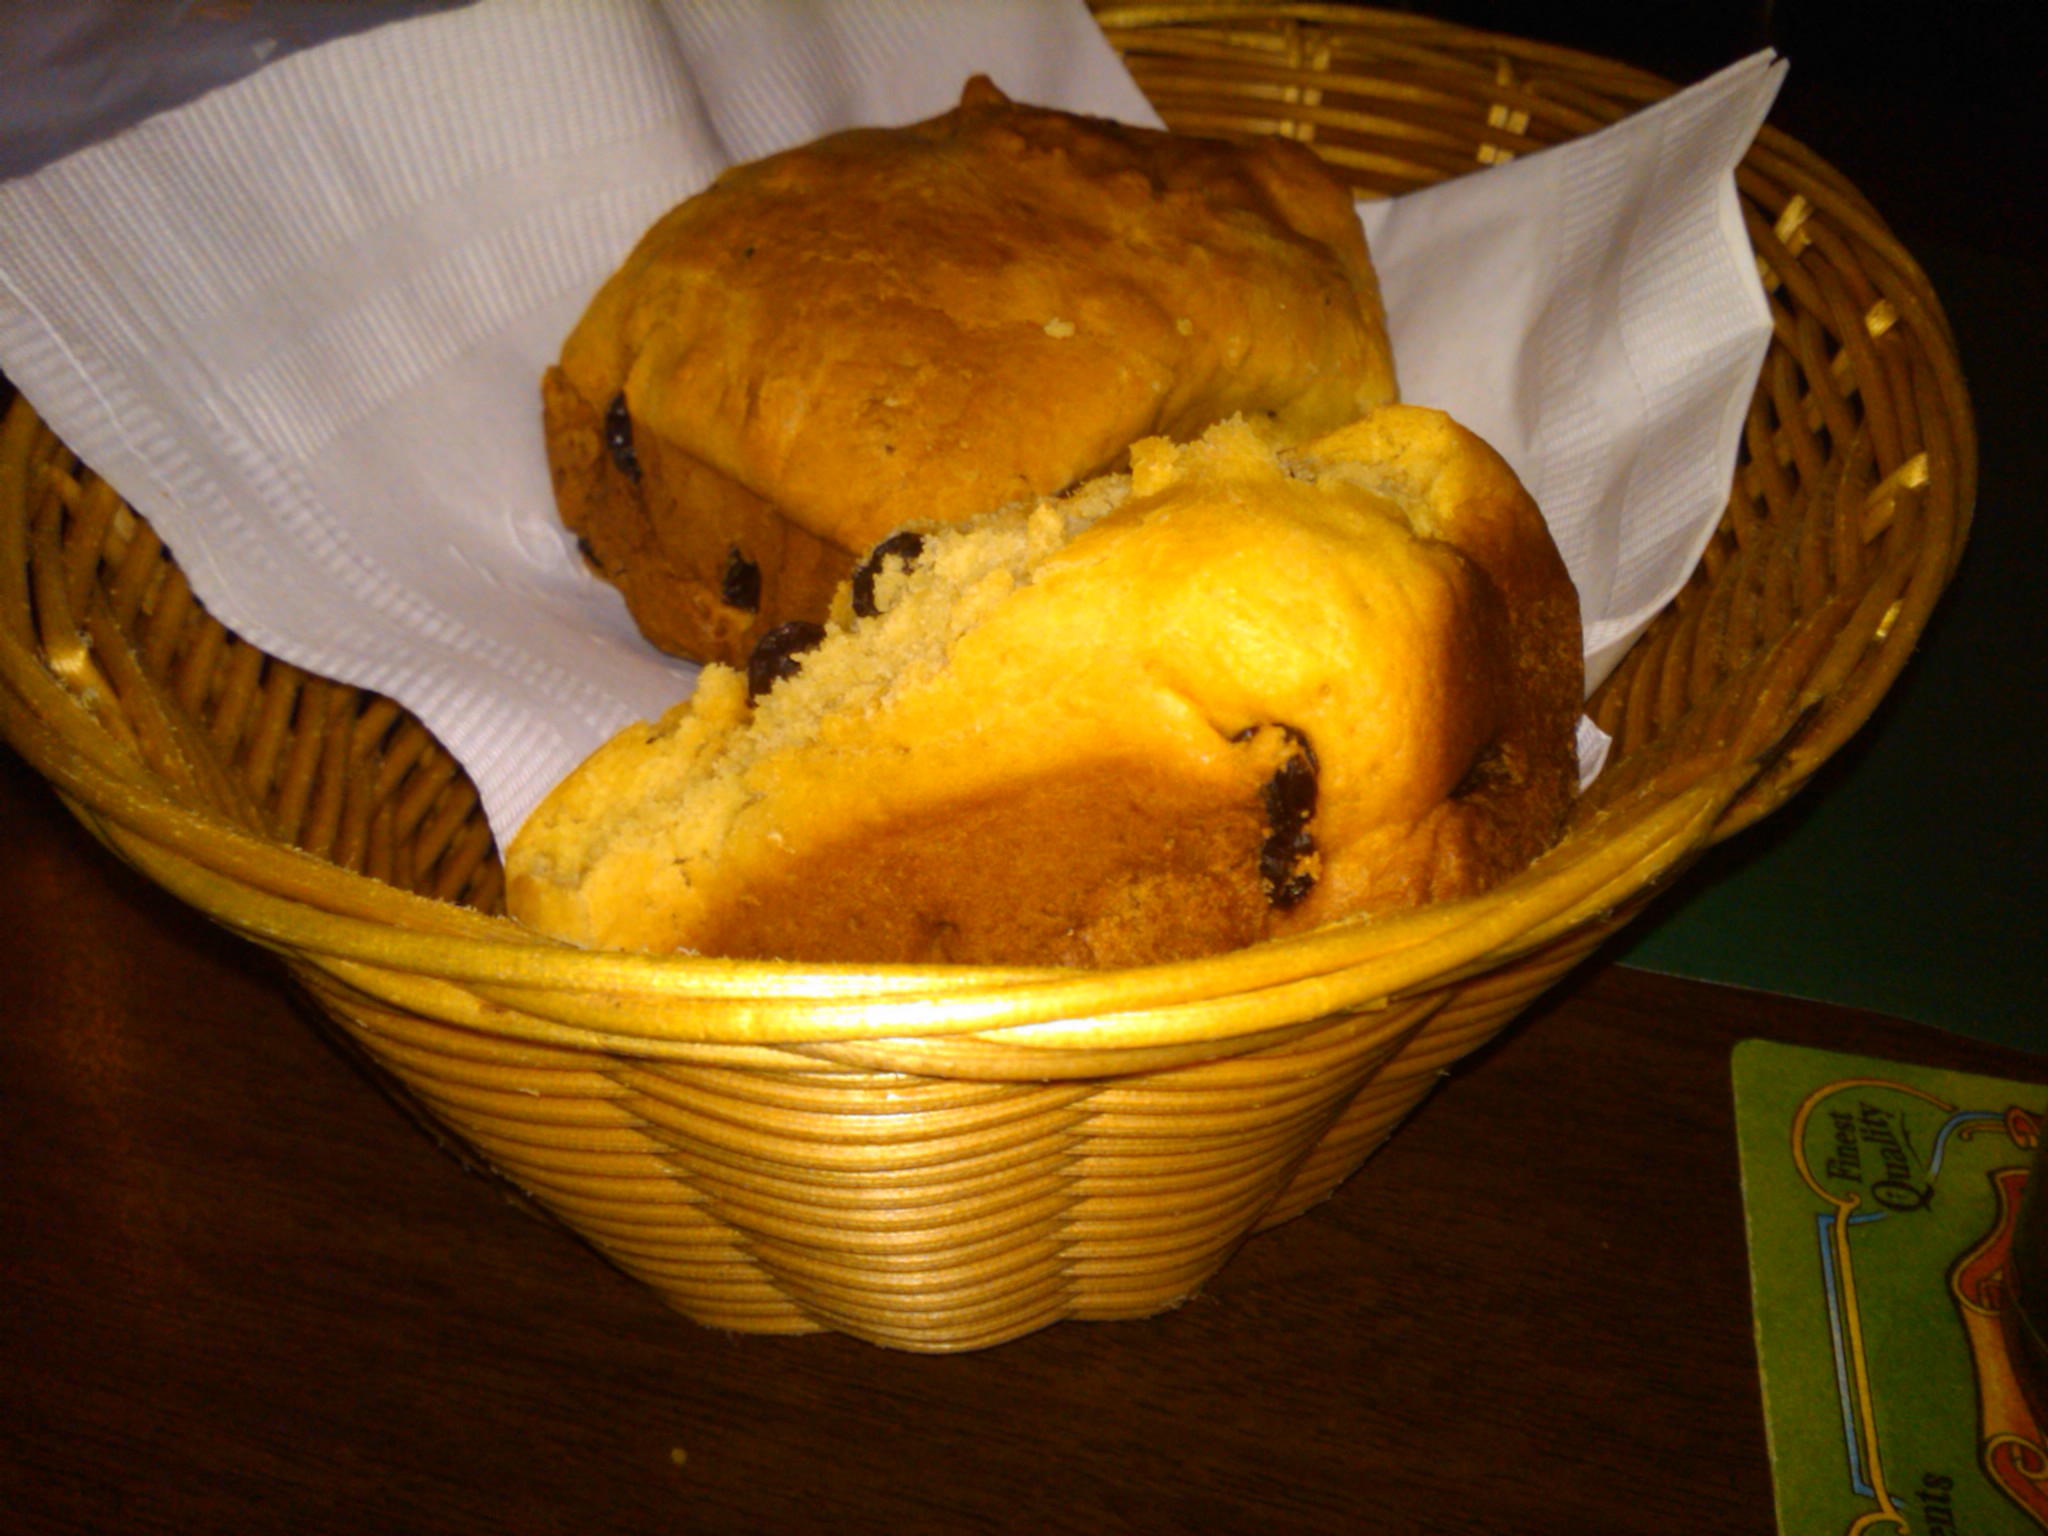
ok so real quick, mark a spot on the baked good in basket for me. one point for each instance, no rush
(930, 322)
(1238, 692)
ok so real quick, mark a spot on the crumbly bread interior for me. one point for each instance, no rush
(1235, 692)
(649, 814)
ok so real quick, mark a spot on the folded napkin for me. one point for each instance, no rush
(300, 322)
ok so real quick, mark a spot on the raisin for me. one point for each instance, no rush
(618, 437)
(741, 587)
(905, 546)
(1290, 795)
(777, 654)
(1279, 868)
(1290, 802)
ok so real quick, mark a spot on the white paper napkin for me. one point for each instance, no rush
(1595, 313)
(300, 322)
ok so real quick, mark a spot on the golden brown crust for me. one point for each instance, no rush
(1245, 694)
(929, 322)
(1510, 801)
(667, 541)
(1147, 864)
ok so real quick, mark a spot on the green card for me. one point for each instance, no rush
(1880, 1201)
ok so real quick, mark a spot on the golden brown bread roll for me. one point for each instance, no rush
(1234, 694)
(930, 322)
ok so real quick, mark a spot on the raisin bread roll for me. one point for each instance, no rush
(1236, 693)
(930, 322)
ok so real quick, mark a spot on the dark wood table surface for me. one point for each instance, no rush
(241, 1292)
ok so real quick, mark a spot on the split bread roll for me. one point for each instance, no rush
(1236, 693)
(931, 322)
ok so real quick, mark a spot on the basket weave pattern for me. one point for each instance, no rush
(942, 1158)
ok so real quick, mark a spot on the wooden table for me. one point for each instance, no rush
(241, 1292)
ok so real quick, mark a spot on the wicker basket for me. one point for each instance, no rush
(944, 1158)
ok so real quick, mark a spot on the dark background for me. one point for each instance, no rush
(1932, 107)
